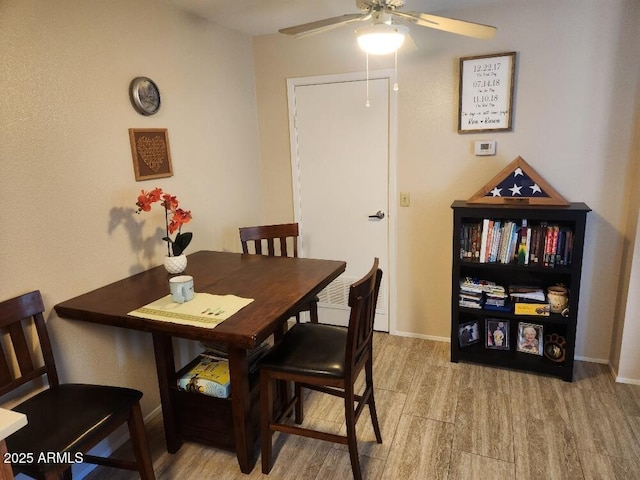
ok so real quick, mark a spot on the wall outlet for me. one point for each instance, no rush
(405, 199)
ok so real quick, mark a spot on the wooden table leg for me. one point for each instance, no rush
(6, 472)
(241, 407)
(283, 387)
(166, 369)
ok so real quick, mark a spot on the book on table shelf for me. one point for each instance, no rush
(209, 376)
(506, 241)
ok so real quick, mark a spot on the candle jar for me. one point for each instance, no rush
(558, 298)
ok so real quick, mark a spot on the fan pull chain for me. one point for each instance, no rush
(395, 84)
(367, 104)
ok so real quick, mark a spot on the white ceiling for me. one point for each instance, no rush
(260, 17)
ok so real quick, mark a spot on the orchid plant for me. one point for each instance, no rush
(175, 217)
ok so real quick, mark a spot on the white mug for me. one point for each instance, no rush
(181, 288)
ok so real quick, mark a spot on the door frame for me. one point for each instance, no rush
(392, 206)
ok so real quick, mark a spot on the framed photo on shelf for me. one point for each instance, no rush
(486, 93)
(530, 338)
(150, 152)
(496, 334)
(468, 333)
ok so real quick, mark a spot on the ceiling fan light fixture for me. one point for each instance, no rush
(381, 38)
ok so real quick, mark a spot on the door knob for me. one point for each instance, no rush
(379, 215)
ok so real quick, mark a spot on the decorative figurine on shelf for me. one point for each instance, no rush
(555, 347)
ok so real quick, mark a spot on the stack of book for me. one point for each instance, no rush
(528, 300)
(470, 294)
(475, 293)
(496, 298)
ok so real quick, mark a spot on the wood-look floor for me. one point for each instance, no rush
(447, 421)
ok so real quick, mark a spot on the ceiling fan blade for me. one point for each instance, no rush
(461, 27)
(311, 28)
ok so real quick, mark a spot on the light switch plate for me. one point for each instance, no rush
(485, 147)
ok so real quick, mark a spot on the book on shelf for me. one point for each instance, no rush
(506, 241)
(487, 225)
(475, 293)
(524, 243)
(539, 309)
(470, 304)
(470, 240)
(527, 294)
(470, 294)
(208, 377)
(506, 307)
(496, 299)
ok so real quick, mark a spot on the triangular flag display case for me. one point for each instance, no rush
(518, 183)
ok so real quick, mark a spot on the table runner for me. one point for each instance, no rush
(205, 310)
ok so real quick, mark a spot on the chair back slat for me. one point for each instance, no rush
(16, 315)
(271, 247)
(281, 240)
(23, 356)
(363, 298)
(5, 372)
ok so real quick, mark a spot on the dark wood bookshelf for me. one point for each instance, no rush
(572, 218)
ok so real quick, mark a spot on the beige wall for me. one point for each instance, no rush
(67, 186)
(573, 122)
(629, 354)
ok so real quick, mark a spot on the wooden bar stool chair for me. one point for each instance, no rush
(328, 359)
(279, 240)
(68, 419)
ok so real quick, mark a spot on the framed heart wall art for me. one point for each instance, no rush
(151, 153)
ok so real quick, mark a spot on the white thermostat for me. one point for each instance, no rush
(485, 147)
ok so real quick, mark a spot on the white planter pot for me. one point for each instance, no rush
(175, 264)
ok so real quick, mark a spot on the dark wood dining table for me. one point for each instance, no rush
(279, 287)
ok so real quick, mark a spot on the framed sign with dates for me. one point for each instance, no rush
(486, 93)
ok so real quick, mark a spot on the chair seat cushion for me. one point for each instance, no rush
(309, 349)
(61, 418)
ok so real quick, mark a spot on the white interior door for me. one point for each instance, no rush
(340, 164)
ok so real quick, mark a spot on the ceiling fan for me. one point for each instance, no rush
(379, 14)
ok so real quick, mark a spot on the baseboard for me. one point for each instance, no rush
(418, 335)
(591, 360)
(630, 381)
(107, 447)
(619, 379)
